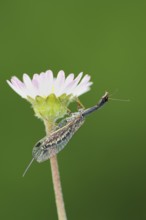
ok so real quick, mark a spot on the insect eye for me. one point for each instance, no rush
(38, 144)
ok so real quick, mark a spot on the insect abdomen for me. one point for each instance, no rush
(49, 146)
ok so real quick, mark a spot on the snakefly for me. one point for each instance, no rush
(51, 145)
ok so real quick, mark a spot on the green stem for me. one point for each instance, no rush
(56, 180)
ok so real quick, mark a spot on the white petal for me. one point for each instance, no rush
(83, 85)
(26, 80)
(49, 81)
(73, 85)
(17, 90)
(59, 82)
(49, 76)
(68, 82)
(35, 81)
(17, 82)
(69, 79)
(44, 84)
(30, 89)
(85, 79)
(80, 89)
(77, 79)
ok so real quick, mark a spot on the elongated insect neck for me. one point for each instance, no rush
(101, 102)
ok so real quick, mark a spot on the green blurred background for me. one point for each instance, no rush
(103, 168)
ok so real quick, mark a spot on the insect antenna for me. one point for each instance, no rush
(27, 168)
(115, 99)
(122, 100)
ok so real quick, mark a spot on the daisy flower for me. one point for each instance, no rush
(49, 95)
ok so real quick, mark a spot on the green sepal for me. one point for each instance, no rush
(50, 108)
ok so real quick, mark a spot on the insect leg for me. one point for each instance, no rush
(69, 112)
(80, 106)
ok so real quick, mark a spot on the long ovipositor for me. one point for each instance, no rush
(51, 145)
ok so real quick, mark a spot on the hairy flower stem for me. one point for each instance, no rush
(56, 180)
